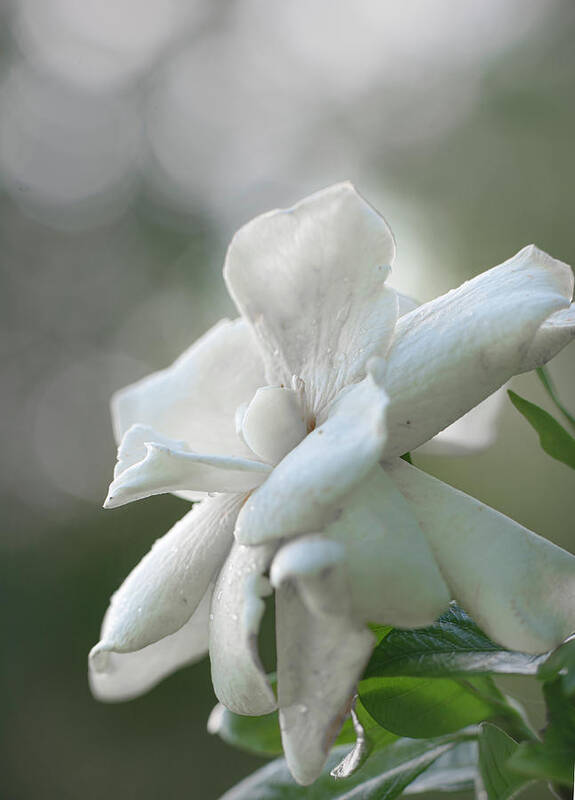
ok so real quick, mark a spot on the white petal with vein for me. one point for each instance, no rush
(320, 660)
(392, 572)
(555, 333)
(238, 606)
(195, 399)
(519, 587)
(451, 353)
(311, 280)
(163, 591)
(471, 433)
(128, 675)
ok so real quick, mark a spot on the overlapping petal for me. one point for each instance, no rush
(300, 493)
(239, 680)
(451, 353)
(163, 591)
(555, 333)
(170, 466)
(386, 556)
(274, 423)
(128, 675)
(311, 281)
(320, 660)
(518, 586)
(195, 399)
(472, 432)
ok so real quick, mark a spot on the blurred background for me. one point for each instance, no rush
(135, 137)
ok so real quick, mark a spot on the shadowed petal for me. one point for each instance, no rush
(300, 493)
(311, 281)
(238, 677)
(556, 332)
(519, 587)
(163, 591)
(392, 573)
(320, 660)
(451, 353)
(471, 433)
(196, 398)
(128, 675)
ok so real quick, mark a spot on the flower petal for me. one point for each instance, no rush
(163, 591)
(311, 281)
(128, 675)
(556, 332)
(171, 468)
(519, 587)
(238, 677)
(196, 398)
(451, 353)
(317, 565)
(320, 660)
(386, 556)
(273, 423)
(300, 494)
(471, 433)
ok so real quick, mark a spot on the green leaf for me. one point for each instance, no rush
(545, 379)
(554, 757)
(454, 645)
(495, 748)
(455, 771)
(560, 665)
(407, 457)
(554, 439)
(425, 707)
(384, 777)
(257, 735)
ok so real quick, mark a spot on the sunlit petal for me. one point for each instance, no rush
(311, 280)
(450, 354)
(195, 399)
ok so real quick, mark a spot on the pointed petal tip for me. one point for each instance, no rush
(109, 502)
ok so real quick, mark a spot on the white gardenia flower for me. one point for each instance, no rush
(287, 425)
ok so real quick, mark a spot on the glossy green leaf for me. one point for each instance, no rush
(495, 749)
(384, 777)
(560, 665)
(554, 757)
(455, 771)
(454, 645)
(545, 378)
(554, 439)
(258, 735)
(425, 707)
